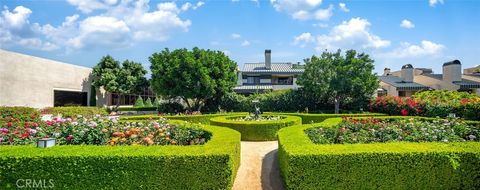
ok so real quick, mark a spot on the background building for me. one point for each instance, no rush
(409, 80)
(258, 77)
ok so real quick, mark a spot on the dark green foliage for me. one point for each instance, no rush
(203, 118)
(308, 118)
(23, 114)
(170, 107)
(93, 96)
(137, 109)
(205, 75)
(124, 79)
(210, 166)
(338, 78)
(305, 165)
(256, 130)
(73, 112)
(139, 102)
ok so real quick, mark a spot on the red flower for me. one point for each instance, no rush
(35, 124)
(404, 112)
(25, 135)
(9, 124)
(69, 137)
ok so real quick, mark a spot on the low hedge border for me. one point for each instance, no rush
(309, 118)
(137, 109)
(203, 118)
(210, 166)
(73, 112)
(397, 165)
(256, 130)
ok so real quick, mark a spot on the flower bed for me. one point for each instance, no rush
(260, 118)
(392, 165)
(73, 112)
(373, 130)
(103, 131)
(209, 166)
(309, 118)
(256, 130)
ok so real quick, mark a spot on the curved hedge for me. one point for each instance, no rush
(202, 118)
(256, 130)
(398, 165)
(309, 118)
(210, 166)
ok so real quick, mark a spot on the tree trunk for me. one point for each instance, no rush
(188, 104)
(118, 103)
(337, 105)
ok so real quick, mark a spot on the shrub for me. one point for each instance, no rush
(18, 114)
(308, 118)
(256, 130)
(394, 105)
(171, 107)
(137, 109)
(203, 118)
(210, 166)
(148, 103)
(73, 112)
(139, 102)
(395, 165)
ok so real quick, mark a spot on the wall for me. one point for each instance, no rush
(435, 83)
(29, 81)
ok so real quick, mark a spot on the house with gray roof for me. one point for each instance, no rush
(409, 80)
(265, 76)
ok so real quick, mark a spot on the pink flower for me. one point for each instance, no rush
(404, 112)
(69, 137)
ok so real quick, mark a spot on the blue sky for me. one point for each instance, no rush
(424, 33)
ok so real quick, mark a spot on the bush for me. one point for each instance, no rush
(171, 107)
(18, 114)
(210, 166)
(396, 165)
(308, 118)
(139, 102)
(73, 112)
(202, 118)
(137, 109)
(437, 103)
(256, 130)
(148, 103)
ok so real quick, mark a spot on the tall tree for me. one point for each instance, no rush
(125, 79)
(339, 78)
(196, 76)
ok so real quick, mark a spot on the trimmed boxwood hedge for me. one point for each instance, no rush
(399, 165)
(210, 166)
(203, 118)
(309, 118)
(256, 130)
(137, 109)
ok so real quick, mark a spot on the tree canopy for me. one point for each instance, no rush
(124, 79)
(339, 78)
(196, 76)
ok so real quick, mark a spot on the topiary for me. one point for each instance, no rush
(139, 102)
(148, 102)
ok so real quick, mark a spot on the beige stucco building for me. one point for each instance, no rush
(36, 82)
(409, 80)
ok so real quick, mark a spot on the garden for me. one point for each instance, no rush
(329, 136)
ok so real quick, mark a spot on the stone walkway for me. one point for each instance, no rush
(259, 167)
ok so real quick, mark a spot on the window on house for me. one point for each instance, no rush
(402, 93)
(69, 98)
(253, 80)
(285, 81)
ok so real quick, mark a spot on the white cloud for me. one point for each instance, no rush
(432, 3)
(227, 53)
(324, 14)
(115, 24)
(407, 24)
(321, 25)
(303, 39)
(407, 50)
(302, 9)
(353, 34)
(236, 36)
(245, 43)
(343, 7)
(87, 6)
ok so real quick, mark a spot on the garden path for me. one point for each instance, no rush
(259, 167)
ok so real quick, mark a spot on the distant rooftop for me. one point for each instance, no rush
(400, 84)
(287, 68)
(464, 84)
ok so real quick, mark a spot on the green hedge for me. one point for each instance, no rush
(210, 166)
(308, 118)
(400, 165)
(74, 111)
(203, 118)
(137, 109)
(256, 130)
